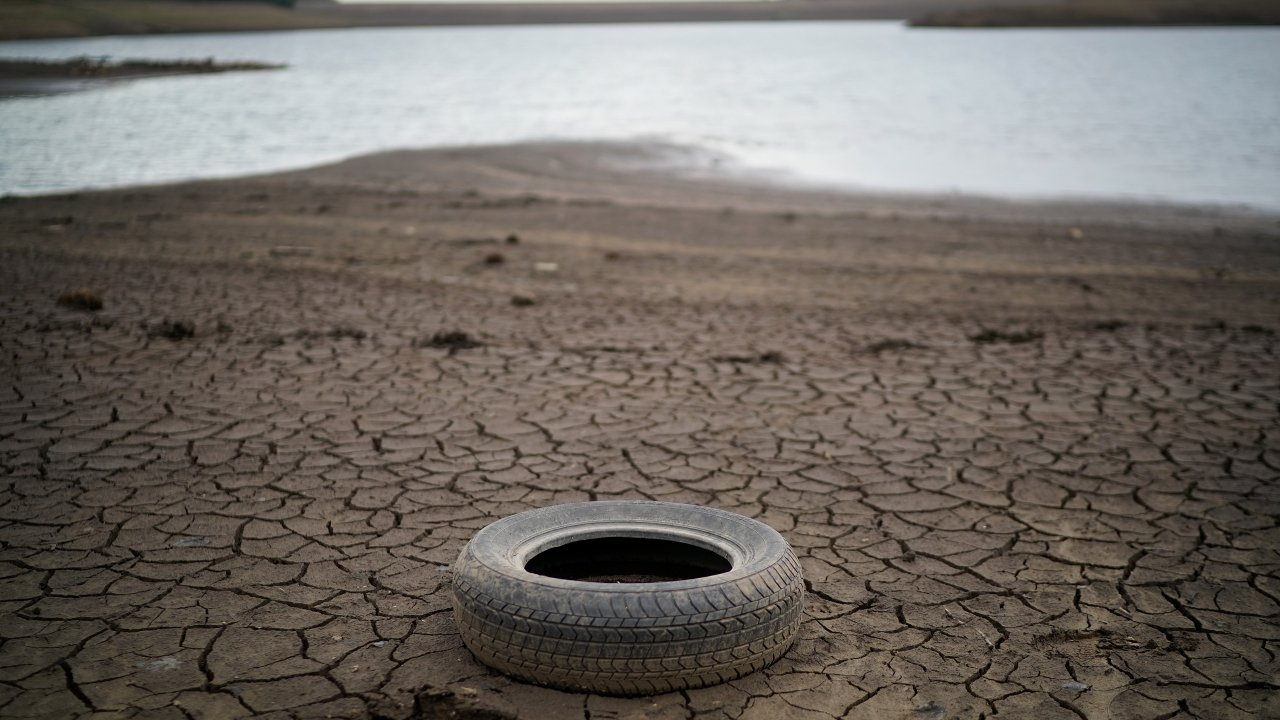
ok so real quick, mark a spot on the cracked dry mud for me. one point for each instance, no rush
(259, 519)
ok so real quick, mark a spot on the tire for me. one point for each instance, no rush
(634, 638)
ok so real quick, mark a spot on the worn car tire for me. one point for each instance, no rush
(627, 638)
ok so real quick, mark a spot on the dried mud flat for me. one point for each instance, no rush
(1030, 466)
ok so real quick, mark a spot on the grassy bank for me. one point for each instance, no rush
(1088, 13)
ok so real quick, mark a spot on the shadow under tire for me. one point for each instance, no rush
(627, 638)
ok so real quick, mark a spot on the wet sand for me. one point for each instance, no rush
(1027, 452)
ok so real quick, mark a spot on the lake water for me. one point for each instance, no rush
(1175, 114)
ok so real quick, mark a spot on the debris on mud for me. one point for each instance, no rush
(1109, 640)
(81, 299)
(1058, 636)
(1114, 642)
(452, 341)
(522, 301)
(172, 330)
(494, 258)
(1075, 686)
(87, 324)
(988, 337)
(291, 251)
(893, 344)
(161, 664)
(772, 357)
(931, 711)
(341, 332)
(151, 217)
(588, 349)
(439, 703)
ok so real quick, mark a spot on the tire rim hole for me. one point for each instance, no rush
(627, 560)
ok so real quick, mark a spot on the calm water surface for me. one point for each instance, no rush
(1176, 114)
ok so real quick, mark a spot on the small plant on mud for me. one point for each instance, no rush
(81, 299)
(892, 344)
(452, 341)
(172, 330)
(771, 357)
(987, 337)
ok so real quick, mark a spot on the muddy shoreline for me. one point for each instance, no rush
(24, 76)
(688, 229)
(104, 68)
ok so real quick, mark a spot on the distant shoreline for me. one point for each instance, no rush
(86, 68)
(25, 77)
(47, 19)
(50, 19)
(1108, 13)
(43, 19)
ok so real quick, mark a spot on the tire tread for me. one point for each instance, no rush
(625, 642)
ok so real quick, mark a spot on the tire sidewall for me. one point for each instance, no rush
(494, 559)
